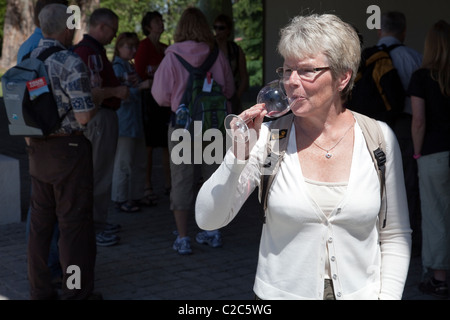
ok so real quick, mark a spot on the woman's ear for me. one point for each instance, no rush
(344, 79)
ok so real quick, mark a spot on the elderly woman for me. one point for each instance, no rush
(321, 239)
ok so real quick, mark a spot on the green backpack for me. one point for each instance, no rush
(203, 99)
(277, 142)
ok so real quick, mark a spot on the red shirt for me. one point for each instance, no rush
(147, 54)
(89, 46)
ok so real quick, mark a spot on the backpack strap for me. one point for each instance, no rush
(45, 53)
(202, 70)
(48, 52)
(277, 142)
(276, 146)
(377, 146)
(205, 66)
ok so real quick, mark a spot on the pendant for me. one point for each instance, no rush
(328, 155)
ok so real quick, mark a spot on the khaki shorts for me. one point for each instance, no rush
(186, 177)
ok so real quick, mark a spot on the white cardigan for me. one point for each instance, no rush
(364, 263)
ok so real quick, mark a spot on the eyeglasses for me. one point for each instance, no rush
(112, 28)
(220, 28)
(303, 73)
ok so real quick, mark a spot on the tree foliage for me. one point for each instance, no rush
(247, 15)
(248, 19)
(131, 12)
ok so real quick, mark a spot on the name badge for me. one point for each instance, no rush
(207, 84)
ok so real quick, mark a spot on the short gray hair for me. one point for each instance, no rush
(308, 36)
(53, 19)
(102, 15)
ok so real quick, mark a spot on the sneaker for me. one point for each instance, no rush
(106, 240)
(183, 245)
(112, 228)
(212, 239)
(434, 287)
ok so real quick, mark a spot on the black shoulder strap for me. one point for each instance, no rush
(44, 54)
(48, 52)
(202, 70)
(392, 47)
(206, 65)
(276, 147)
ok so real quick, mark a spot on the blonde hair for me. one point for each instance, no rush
(308, 36)
(436, 55)
(129, 38)
(194, 26)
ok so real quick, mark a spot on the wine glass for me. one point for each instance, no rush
(95, 65)
(150, 71)
(277, 104)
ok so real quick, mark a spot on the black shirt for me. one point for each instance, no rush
(437, 111)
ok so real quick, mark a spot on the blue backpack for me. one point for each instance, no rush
(30, 106)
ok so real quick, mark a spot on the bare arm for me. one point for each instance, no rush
(418, 123)
(101, 94)
(84, 117)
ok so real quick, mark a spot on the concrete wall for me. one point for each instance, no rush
(420, 17)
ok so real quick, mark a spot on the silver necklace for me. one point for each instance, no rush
(328, 155)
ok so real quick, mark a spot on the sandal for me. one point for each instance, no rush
(147, 201)
(148, 193)
(129, 207)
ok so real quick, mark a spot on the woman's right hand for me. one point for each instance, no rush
(253, 117)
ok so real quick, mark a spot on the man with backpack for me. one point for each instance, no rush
(61, 169)
(394, 62)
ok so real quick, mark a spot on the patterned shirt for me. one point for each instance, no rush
(69, 80)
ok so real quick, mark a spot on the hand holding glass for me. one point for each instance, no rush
(276, 103)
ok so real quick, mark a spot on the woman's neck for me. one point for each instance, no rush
(154, 38)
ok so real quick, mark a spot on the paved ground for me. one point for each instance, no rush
(144, 266)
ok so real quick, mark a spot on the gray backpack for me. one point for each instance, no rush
(277, 142)
(35, 114)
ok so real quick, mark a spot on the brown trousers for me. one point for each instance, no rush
(62, 190)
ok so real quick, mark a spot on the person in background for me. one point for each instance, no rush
(33, 40)
(130, 160)
(103, 130)
(223, 27)
(406, 60)
(322, 237)
(194, 41)
(61, 170)
(430, 98)
(156, 119)
(26, 48)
